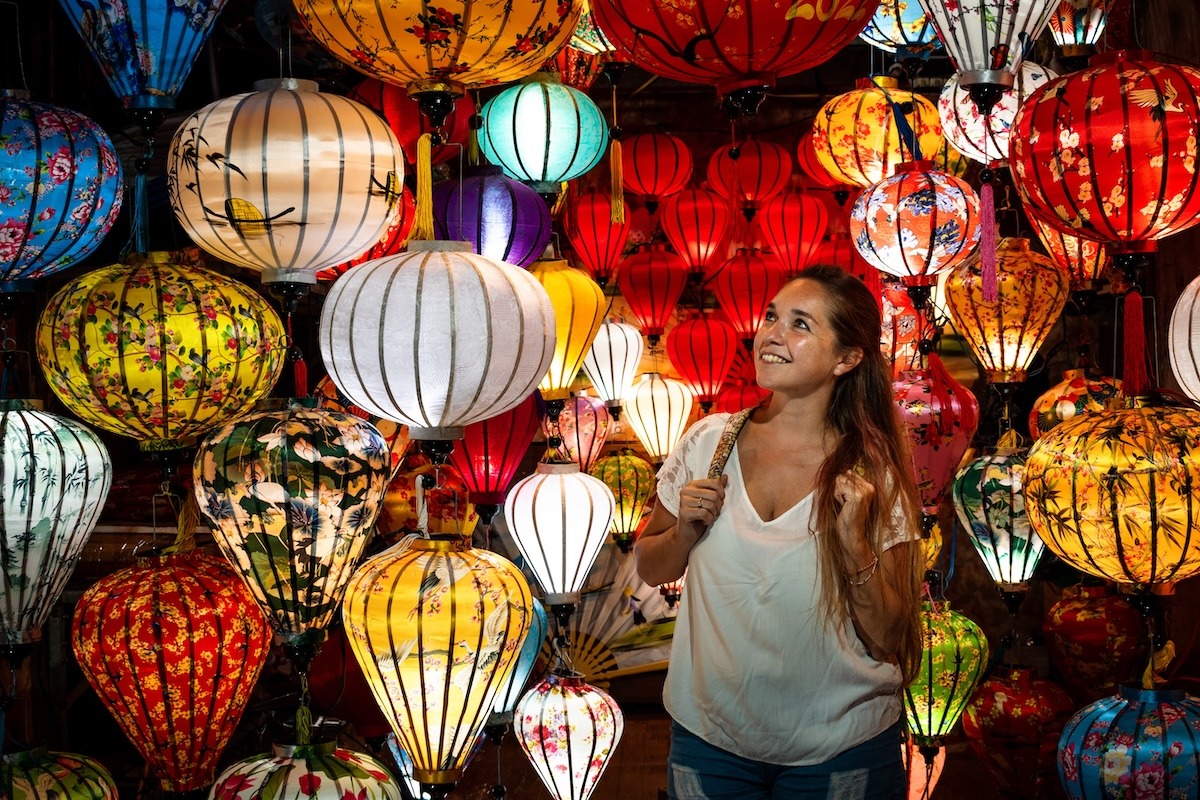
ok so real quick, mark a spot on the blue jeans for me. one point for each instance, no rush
(873, 770)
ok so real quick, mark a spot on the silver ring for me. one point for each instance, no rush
(699, 503)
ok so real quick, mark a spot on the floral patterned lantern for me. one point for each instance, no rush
(695, 222)
(632, 482)
(859, 139)
(403, 115)
(501, 217)
(579, 307)
(1096, 640)
(491, 451)
(392, 345)
(598, 241)
(612, 362)
(655, 165)
(396, 435)
(940, 416)
(1137, 742)
(437, 628)
(54, 479)
(792, 226)
(651, 281)
(702, 350)
(514, 689)
(750, 173)
(427, 499)
(1076, 26)
(1183, 342)
(814, 169)
(61, 185)
(901, 329)
(1005, 334)
(583, 427)
(159, 349)
(1081, 391)
(744, 286)
(901, 27)
(1085, 260)
(742, 54)
(313, 770)
(394, 238)
(569, 730)
(984, 137)
(49, 775)
(658, 410)
(1012, 725)
(953, 661)
(1113, 493)
(576, 68)
(173, 646)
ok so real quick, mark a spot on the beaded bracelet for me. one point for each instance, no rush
(872, 566)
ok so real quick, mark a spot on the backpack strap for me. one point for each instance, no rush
(728, 439)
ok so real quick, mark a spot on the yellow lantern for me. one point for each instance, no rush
(859, 140)
(1005, 334)
(437, 627)
(159, 349)
(579, 308)
(1116, 493)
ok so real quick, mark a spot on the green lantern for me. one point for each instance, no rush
(953, 661)
(632, 482)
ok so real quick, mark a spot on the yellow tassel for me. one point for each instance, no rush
(1152, 678)
(423, 227)
(617, 191)
(473, 157)
(185, 531)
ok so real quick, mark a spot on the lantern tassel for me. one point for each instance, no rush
(1135, 377)
(987, 243)
(423, 227)
(616, 193)
(185, 530)
(1153, 678)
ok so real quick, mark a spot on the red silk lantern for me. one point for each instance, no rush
(491, 451)
(1096, 641)
(1012, 724)
(655, 165)
(725, 44)
(651, 281)
(793, 225)
(173, 646)
(736, 395)
(702, 349)
(598, 241)
(391, 243)
(744, 286)
(1084, 259)
(583, 426)
(750, 173)
(695, 222)
(405, 119)
(577, 68)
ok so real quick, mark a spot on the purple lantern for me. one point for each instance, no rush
(501, 217)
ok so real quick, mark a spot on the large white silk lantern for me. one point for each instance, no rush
(984, 137)
(1183, 340)
(286, 180)
(437, 338)
(658, 409)
(612, 363)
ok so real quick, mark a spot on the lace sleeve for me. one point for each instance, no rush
(687, 461)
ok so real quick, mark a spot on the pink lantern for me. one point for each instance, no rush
(901, 337)
(583, 427)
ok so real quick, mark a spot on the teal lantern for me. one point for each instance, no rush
(543, 133)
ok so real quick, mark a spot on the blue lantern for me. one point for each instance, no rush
(543, 133)
(60, 189)
(501, 217)
(145, 48)
(1137, 743)
(510, 694)
(901, 27)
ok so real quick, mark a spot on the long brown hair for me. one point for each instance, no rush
(871, 438)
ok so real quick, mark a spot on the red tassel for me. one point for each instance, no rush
(940, 384)
(1136, 377)
(987, 243)
(300, 377)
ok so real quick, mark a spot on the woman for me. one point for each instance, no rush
(798, 626)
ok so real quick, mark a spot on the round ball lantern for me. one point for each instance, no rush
(393, 342)
(651, 281)
(858, 138)
(612, 363)
(655, 165)
(658, 410)
(702, 349)
(744, 286)
(437, 628)
(285, 180)
(394, 238)
(695, 222)
(543, 132)
(1096, 640)
(403, 115)
(1137, 742)
(1085, 260)
(173, 646)
(491, 451)
(984, 137)
(1114, 493)
(1005, 334)
(632, 482)
(738, 394)
(49, 775)
(579, 306)
(1108, 152)
(1183, 340)
(583, 426)
(792, 225)
(917, 224)
(60, 189)
(569, 730)
(1080, 391)
(598, 242)
(291, 495)
(159, 349)
(750, 173)
(901, 27)
(426, 499)
(54, 479)
(314, 770)
(953, 661)
(502, 218)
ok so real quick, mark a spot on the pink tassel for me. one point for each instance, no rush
(1136, 376)
(987, 244)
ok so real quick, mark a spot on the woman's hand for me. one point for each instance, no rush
(855, 494)
(700, 502)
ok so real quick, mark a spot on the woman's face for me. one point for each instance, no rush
(795, 349)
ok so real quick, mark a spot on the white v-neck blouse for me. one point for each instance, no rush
(754, 669)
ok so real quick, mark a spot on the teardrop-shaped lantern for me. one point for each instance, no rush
(651, 281)
(501, 217)
(744, 286)
(323, 771)
(173, 646)
(695, 222)
(750, 173)
(1085, 260)
(1183, 340)
(393, 343)
(702, 349)
(953, 661)
(579, 307)
(901, 328)
(655, 165)
(632, 482)
(612, 363)
(583, 425)
(598, 242)
(514, 689)
(491, 451)
(793, 225)
(330, 398)
(985, 137)
(1080, 391)
(658, 411)
(50, 775)
(569, 730)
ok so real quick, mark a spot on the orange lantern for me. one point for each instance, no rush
(1085, 260)
(1081, 391)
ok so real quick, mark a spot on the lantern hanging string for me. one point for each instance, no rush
(16, 9)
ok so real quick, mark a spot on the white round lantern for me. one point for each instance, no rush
(985, 138)
(286, 180)
(658, 409)
(1183, 340)
(559, 517)
(437, 338)
(612, 363)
